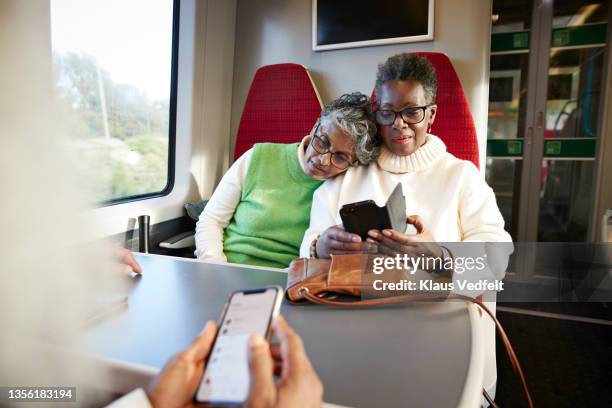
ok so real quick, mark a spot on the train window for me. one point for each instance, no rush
(580, 13)
(114, 67)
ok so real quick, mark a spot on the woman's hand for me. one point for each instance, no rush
(335, 240)
(179, 379)
(299, 385)
(391, 242)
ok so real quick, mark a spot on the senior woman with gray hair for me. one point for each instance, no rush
(261, 208)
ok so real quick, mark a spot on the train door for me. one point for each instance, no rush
(549, 60)
(547, 86)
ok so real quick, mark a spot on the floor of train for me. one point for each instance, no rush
(567, 359)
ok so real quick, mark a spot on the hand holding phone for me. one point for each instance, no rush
(181, 377)
(175, 385)
(336, 241)
(299, 385)
(226, 378)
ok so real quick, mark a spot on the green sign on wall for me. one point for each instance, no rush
(581, 148)
(561, 37)
(570, 148)
(504, 148)
(517, 41)
(579, 35)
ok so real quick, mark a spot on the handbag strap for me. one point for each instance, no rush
(371, 302)
(516, 366)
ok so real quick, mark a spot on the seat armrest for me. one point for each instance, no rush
(182, 240)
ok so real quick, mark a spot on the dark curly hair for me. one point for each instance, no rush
(405, 67)
(352, 113)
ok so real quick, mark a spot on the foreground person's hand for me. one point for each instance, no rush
(299, 385)
(423, 243)
(178, 381)
(336, 241)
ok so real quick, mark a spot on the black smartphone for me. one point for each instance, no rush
(360, 217)
(226, 378)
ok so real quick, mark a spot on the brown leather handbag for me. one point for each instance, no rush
(320, 281)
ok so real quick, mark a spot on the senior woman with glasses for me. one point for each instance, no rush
(447, 199)
(261, 208)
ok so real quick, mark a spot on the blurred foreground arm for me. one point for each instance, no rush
(127, 260)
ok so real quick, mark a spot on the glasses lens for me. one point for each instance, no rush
(320, 144)
(412, 115)
(339, 162)
(385, 117)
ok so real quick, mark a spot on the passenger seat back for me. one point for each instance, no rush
(281, 107)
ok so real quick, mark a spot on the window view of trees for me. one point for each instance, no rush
(119, 135)
(112, 63)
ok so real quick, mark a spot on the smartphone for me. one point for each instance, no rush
(226, 378)
(358, 218)
(363, 216)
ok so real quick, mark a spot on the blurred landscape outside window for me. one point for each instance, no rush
(112, 63)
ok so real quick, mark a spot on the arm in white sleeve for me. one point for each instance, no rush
(479, 216)
(323, 213)
(219, 211)
(481, 221)
(135, 399)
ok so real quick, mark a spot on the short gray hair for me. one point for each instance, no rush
(352, 113)
(406, 67)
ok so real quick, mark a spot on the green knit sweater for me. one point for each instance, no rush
(274, 209)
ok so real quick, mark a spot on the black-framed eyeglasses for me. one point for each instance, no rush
(320, 142)
(411, 115)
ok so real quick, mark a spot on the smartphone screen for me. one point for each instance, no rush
(226, 377)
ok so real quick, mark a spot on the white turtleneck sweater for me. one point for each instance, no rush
(449, 194)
